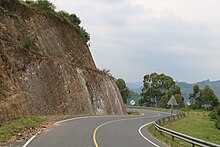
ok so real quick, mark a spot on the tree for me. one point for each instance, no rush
(43, 5)
(208, 99)
(71, 18)
(158, 88)
(85, 34)
(194, 97)
(123, 89)
(205, 98)
(215, 116)
(47, 6)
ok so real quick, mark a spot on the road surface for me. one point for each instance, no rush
(100, 131)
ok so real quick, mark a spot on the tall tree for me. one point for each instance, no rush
(123, 89)
(208, 99)
(205, 98)
(194, 97)
(158, 88)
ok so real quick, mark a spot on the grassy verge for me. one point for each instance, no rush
(197, 125)
(15, 128)
(21, 128)
(166, 139)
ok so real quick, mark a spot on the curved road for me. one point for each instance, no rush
(100, 131)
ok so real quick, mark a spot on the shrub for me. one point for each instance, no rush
(26, 42)
(217, 123)
(43, 5)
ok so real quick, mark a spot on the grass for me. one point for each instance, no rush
(7, 131)
(28, 123)
(197, 125)
(166, 139)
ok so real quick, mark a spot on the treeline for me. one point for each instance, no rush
(49, 7)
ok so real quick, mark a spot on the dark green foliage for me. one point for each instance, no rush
(42, 5)
(123, 89)
(71, 18)
(158, 88)
(26, 42)
(215, 116)
(217, 123)
(85, 34)
(47, 6)
(203, 99)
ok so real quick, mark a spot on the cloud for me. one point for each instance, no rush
(133, 38)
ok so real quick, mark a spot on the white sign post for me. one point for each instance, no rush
(132, 102)
(172, 102)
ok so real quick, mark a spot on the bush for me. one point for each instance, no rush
(26, 42)
(43, 5)
(213, 115)
(47, 6)
(217, 123)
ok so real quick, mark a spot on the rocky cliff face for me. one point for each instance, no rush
(46, 68)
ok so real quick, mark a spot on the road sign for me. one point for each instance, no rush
(188, 103)
(68, 91)
(132, 102)
(172, 101)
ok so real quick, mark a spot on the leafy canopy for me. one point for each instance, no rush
(158, 88)
(123, 89)
(203, 99)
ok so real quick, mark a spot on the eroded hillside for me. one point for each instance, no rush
(46, 68)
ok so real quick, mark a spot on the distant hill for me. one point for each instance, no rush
(186, 88)
(134, 85)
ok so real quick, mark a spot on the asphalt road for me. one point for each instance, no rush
(102, 131)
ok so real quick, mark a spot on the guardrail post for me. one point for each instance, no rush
(172, 138)
(159, 122)
(193, 145)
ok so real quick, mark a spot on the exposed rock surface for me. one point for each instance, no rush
(46, 68)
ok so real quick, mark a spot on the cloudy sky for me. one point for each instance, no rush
(180, 38)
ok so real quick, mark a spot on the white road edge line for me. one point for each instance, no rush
(70, 119)
(146, 137)
(29, 140)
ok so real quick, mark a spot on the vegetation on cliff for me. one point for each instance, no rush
(49, 7)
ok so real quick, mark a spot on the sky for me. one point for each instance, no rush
(132, 38)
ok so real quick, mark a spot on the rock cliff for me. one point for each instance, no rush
(46, 68)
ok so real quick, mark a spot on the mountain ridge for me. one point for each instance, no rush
(186, 88)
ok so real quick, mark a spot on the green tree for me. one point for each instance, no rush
(71, 18)
(47, 6)
(158, 88)
(208, 99)
(194, 97)
(43, 5)
(123, 89)
(205, 99)
(215, 116)
(85, 34)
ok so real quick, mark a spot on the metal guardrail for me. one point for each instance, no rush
(189, 139)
